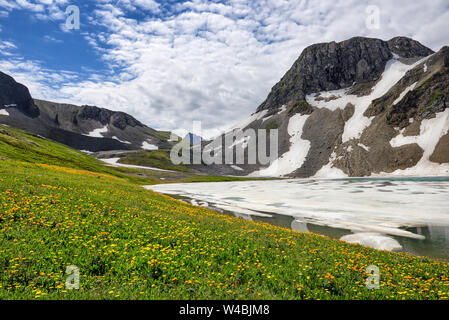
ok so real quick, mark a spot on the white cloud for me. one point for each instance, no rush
(216, 62)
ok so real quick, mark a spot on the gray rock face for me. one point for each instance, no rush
(332, 66)
(328, 125)
(408, 48)
(120, 119)
(13, 94)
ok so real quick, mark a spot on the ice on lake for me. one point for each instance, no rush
(387, 213)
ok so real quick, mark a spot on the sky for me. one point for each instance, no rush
(170, 63)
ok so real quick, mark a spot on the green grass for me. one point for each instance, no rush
(20, 146)
(300, 107)
(130, 243)
(433, 97)
(156, 159)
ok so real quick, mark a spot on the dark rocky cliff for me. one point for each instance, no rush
(13, 94)
(332, 66)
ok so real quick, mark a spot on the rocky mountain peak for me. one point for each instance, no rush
(333, 66)
(105, 116)
(408, 48)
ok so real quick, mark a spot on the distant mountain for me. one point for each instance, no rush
(360, 107)
(86, 128)
(193, 138)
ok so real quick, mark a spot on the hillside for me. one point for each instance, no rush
(60, 208)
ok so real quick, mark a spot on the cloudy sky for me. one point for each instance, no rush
(170, 62)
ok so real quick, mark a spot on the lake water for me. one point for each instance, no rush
(398, 214)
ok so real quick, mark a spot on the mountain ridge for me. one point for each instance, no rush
(332, 66)
(87, 128)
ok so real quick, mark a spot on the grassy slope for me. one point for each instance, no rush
(132, 243)
(20, 146)
(161, 159)
(156, 159)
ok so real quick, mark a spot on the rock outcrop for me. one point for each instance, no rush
(13, 94)
(332, 66)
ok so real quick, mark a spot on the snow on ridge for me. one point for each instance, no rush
(3, 112)
(404, 93)
(255, 116)
(295, 157)
(283, 109)
(243, 141)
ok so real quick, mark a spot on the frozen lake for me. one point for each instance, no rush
(399, 214)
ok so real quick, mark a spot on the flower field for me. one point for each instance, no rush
(130, 243)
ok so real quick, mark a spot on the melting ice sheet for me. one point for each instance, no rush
(387, 207)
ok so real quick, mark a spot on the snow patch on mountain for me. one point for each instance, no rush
(114, 162)
(125, 142)
(394, 71)
(404, 93)
(366, 148)
(431, 132)
(148, 146)
(3, 112)
(295, 157)
(329, 171)
(98, 133)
